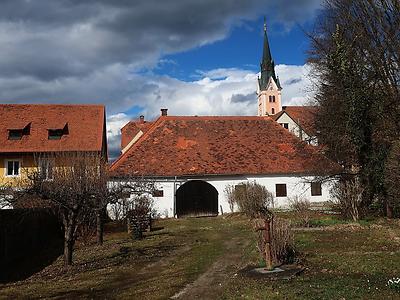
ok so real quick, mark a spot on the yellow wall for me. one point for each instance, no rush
(27, 164)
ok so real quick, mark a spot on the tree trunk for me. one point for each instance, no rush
(389, 210)
(69, 237)
(100, 227)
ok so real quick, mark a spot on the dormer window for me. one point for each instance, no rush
(57, 133)
(15, 134)
(18, 133)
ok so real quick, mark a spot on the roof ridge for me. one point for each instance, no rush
(54, 104)
(136, 122)
(169, 117)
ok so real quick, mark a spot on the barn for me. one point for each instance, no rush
(193, 159)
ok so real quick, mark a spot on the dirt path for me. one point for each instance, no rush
(211, 283)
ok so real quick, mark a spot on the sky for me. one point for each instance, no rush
(197, 57)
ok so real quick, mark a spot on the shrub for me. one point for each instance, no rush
(282, 241)
(347, 196)
(283, 249)
(252, 198)
(139, 215)
(302, 207)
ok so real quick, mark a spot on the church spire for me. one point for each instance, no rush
(267, 57)
(267, 63)
(269, 88)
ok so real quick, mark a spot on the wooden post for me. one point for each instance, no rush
(267, 238)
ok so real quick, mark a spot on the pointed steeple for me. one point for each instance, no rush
(267, 57)
(267, 63)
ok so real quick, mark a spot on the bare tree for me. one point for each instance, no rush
(392, 179)
(230, 195)
(347, 195)
(76, 187)
(73, 184)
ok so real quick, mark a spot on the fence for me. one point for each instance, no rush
(29, 238)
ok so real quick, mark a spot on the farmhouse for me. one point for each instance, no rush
(31, 133)
(194, 158)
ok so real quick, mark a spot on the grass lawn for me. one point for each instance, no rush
(201, 257)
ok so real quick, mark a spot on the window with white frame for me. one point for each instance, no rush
(46, 168)
(13, 168)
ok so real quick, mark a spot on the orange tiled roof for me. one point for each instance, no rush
(86, 127)
(176, 146)
(131, 129)
(302, 115)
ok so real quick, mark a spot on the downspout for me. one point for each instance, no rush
(174, 208)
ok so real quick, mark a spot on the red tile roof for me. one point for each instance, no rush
(131, 129)
(86, 127)
(302, 115)
(176, 146)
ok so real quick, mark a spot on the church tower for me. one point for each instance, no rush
(269, 87)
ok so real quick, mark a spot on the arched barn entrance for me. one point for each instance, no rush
(196, 198)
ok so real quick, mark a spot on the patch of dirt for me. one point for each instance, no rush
(211, 283)
(288, 272)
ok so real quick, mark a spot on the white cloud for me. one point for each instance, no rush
(216, 92)
(114, 124)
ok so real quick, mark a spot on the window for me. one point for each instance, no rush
(46, 168)
(316, 189)
(273, 111)
(270, 98)
(280, 190)
(56, 134)
(14, 134)
(285, 125)
(12, 168)
(273, 98)
(158, 193)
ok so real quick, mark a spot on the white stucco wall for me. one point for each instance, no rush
(295, 185)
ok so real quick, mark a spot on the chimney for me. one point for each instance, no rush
(141, 119)
(164, 111)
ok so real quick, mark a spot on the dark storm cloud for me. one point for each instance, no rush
(74, 51)
(50, 39)
(243, 98)
(292, 81)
